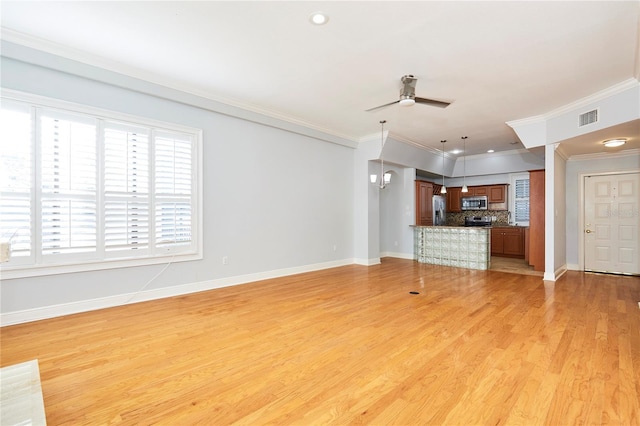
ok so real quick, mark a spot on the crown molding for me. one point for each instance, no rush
(97, 61)
(630, 83)
(526, 121)
(372, 137)
(594, 98)
(500, 153)
(450, 156)
(429, 149)
(561, 152)
(605, 155)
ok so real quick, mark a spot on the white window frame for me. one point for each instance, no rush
(512, 197)
(162, 255)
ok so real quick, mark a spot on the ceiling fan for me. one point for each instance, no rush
(408, 95)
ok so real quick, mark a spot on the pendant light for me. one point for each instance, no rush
(464, 163)
(443, 190)
(385, 178)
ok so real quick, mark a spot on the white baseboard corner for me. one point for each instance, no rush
(560, 271)
(367, 262)
(573, 267)
(408, 256)
(548, 276)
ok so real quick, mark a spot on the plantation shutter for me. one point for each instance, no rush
(68, 163)
(521, 200)
(127, 204)
(173, 190)
(78, 187)
(16, 179)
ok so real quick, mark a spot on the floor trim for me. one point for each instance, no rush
(45, 312)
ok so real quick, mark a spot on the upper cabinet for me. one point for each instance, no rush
(477, 190)
(497, 193)
(496, 196)
(453, 199)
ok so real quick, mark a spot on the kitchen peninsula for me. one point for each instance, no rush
(463, 247)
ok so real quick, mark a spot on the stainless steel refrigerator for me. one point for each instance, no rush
(439, 207)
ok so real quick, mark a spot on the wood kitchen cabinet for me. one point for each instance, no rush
(477, 190)
(497, 193)
(424, 203)
(453, 199)
(507, 241)
(536, 219)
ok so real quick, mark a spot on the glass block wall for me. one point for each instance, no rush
(453, 246)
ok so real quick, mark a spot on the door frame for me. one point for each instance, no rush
(581, 197)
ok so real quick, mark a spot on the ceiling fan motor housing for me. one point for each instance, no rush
(408, 90)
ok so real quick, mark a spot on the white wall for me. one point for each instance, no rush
(366, 205)
(560, 213)
(576, 167)
(275, 201)
(397, 213)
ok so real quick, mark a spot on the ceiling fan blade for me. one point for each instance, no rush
(382, 106)
(432, 102)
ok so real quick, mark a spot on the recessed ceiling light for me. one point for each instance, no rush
(319, 18)
(491, 150)
(612, 143)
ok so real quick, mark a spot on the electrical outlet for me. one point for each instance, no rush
(225, 260)
(5, 251)
(335, 247)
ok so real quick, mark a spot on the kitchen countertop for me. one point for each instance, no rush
(497, 225)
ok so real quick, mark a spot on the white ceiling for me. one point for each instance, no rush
(496, 61)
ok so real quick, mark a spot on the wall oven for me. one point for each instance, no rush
(474, 203)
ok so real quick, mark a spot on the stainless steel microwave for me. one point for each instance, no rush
(474, 203)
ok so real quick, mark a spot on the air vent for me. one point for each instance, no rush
(588, 118)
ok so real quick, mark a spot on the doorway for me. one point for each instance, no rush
(611, 223)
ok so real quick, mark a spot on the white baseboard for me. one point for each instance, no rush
(560, 271)
(573, 267)
(28, 315)
(556, 274)
(367, 262)
(408, 256)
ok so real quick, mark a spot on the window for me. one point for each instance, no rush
(93, 190)
(520, 206)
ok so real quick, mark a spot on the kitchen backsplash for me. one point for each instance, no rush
(457, 219)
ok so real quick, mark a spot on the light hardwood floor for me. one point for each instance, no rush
(350, 345)
(513, 265)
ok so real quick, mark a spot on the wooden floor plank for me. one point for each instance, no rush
(350, 345)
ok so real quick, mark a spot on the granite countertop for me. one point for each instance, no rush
(497, 225)
(450, 226)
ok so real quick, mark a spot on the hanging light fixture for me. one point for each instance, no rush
(464, 163)
(443, 190)
(385, 178)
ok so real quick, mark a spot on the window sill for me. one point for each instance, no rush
(16, 272)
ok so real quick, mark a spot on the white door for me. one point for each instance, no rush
(612, 223)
